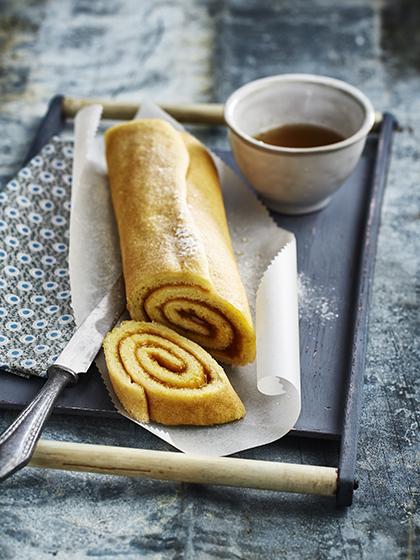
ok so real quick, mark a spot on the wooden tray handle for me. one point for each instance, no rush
(164, 465)
(200, 113)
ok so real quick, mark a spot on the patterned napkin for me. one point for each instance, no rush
(36, 318)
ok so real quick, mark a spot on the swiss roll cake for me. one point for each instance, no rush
(178, 262)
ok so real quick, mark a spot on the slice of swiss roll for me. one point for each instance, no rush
(160, 375)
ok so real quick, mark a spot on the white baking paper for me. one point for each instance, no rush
(267, 261)
(94, 254)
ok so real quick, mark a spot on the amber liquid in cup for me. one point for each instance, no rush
(299, 135)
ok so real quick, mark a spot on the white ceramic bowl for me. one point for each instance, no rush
(297, 180)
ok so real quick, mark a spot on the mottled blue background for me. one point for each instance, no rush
(200, 51)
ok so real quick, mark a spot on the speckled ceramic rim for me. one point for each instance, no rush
(256, 85)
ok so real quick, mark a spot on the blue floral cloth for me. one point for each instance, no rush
(36, 319)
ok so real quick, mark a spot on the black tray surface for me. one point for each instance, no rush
(328, 262)
(328, 253)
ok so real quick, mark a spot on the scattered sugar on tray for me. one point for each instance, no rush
(312, 302)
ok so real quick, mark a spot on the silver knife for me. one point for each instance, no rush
(18, 442)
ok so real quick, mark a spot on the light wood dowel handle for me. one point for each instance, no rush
(200, 113)
(163, 465)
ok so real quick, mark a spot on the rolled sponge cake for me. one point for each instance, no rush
(178, 262)
(160, 375)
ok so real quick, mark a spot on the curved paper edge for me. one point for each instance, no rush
(277, 327)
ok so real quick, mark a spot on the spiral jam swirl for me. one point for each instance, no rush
(192, 312)
(159, 375)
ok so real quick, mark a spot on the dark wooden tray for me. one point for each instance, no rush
(336, 254)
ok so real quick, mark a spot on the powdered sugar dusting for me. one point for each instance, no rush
(313, 302)
(186, 243)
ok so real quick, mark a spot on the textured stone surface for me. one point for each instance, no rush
(195, 50)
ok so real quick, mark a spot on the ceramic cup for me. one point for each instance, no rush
(297, 180)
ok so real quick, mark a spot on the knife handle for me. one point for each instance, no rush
(18, 442)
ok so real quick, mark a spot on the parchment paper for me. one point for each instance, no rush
(271, 396)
